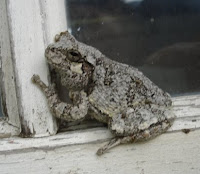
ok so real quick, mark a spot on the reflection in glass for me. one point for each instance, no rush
(160, 37)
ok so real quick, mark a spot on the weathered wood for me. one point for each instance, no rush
(7, 129)
(33, 25)
(174, 153)
(187, 110)
(11, 124)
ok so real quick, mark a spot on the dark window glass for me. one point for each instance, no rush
(160, 37)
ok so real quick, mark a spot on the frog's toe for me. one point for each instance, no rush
(35, 78)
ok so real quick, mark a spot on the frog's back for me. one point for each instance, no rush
(111, 87)
(119, 86)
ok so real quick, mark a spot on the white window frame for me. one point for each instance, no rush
(27, 28)
(30, 27)
(10, 124)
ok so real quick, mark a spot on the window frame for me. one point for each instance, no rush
(26, 33)
(10, 123)
(27, 39)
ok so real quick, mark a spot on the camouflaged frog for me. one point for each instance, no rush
(132, 106)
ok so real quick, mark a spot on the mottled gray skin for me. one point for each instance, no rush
(134, 108)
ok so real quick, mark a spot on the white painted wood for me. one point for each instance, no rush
(7, 129)
(32, 26)
(59, 140)
(187, 110)
(10, 125)
(174, 153)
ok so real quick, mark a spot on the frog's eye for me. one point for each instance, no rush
(73, 55)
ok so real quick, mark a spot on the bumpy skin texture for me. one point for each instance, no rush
(134, 108)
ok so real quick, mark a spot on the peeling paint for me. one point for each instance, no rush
(8, 94)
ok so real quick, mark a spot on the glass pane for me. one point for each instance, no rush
(160, 37)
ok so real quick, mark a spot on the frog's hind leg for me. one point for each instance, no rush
(153, 131)
(115, 142)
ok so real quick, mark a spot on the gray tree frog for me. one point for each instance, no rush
(132, 106)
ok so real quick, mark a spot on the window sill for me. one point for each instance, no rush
(186, 108)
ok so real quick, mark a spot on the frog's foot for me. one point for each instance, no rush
(48, 90)
(36, 79)
(115, 142)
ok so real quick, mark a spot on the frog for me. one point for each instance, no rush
(116, 94)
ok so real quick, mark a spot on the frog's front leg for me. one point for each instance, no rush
(61, 109)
